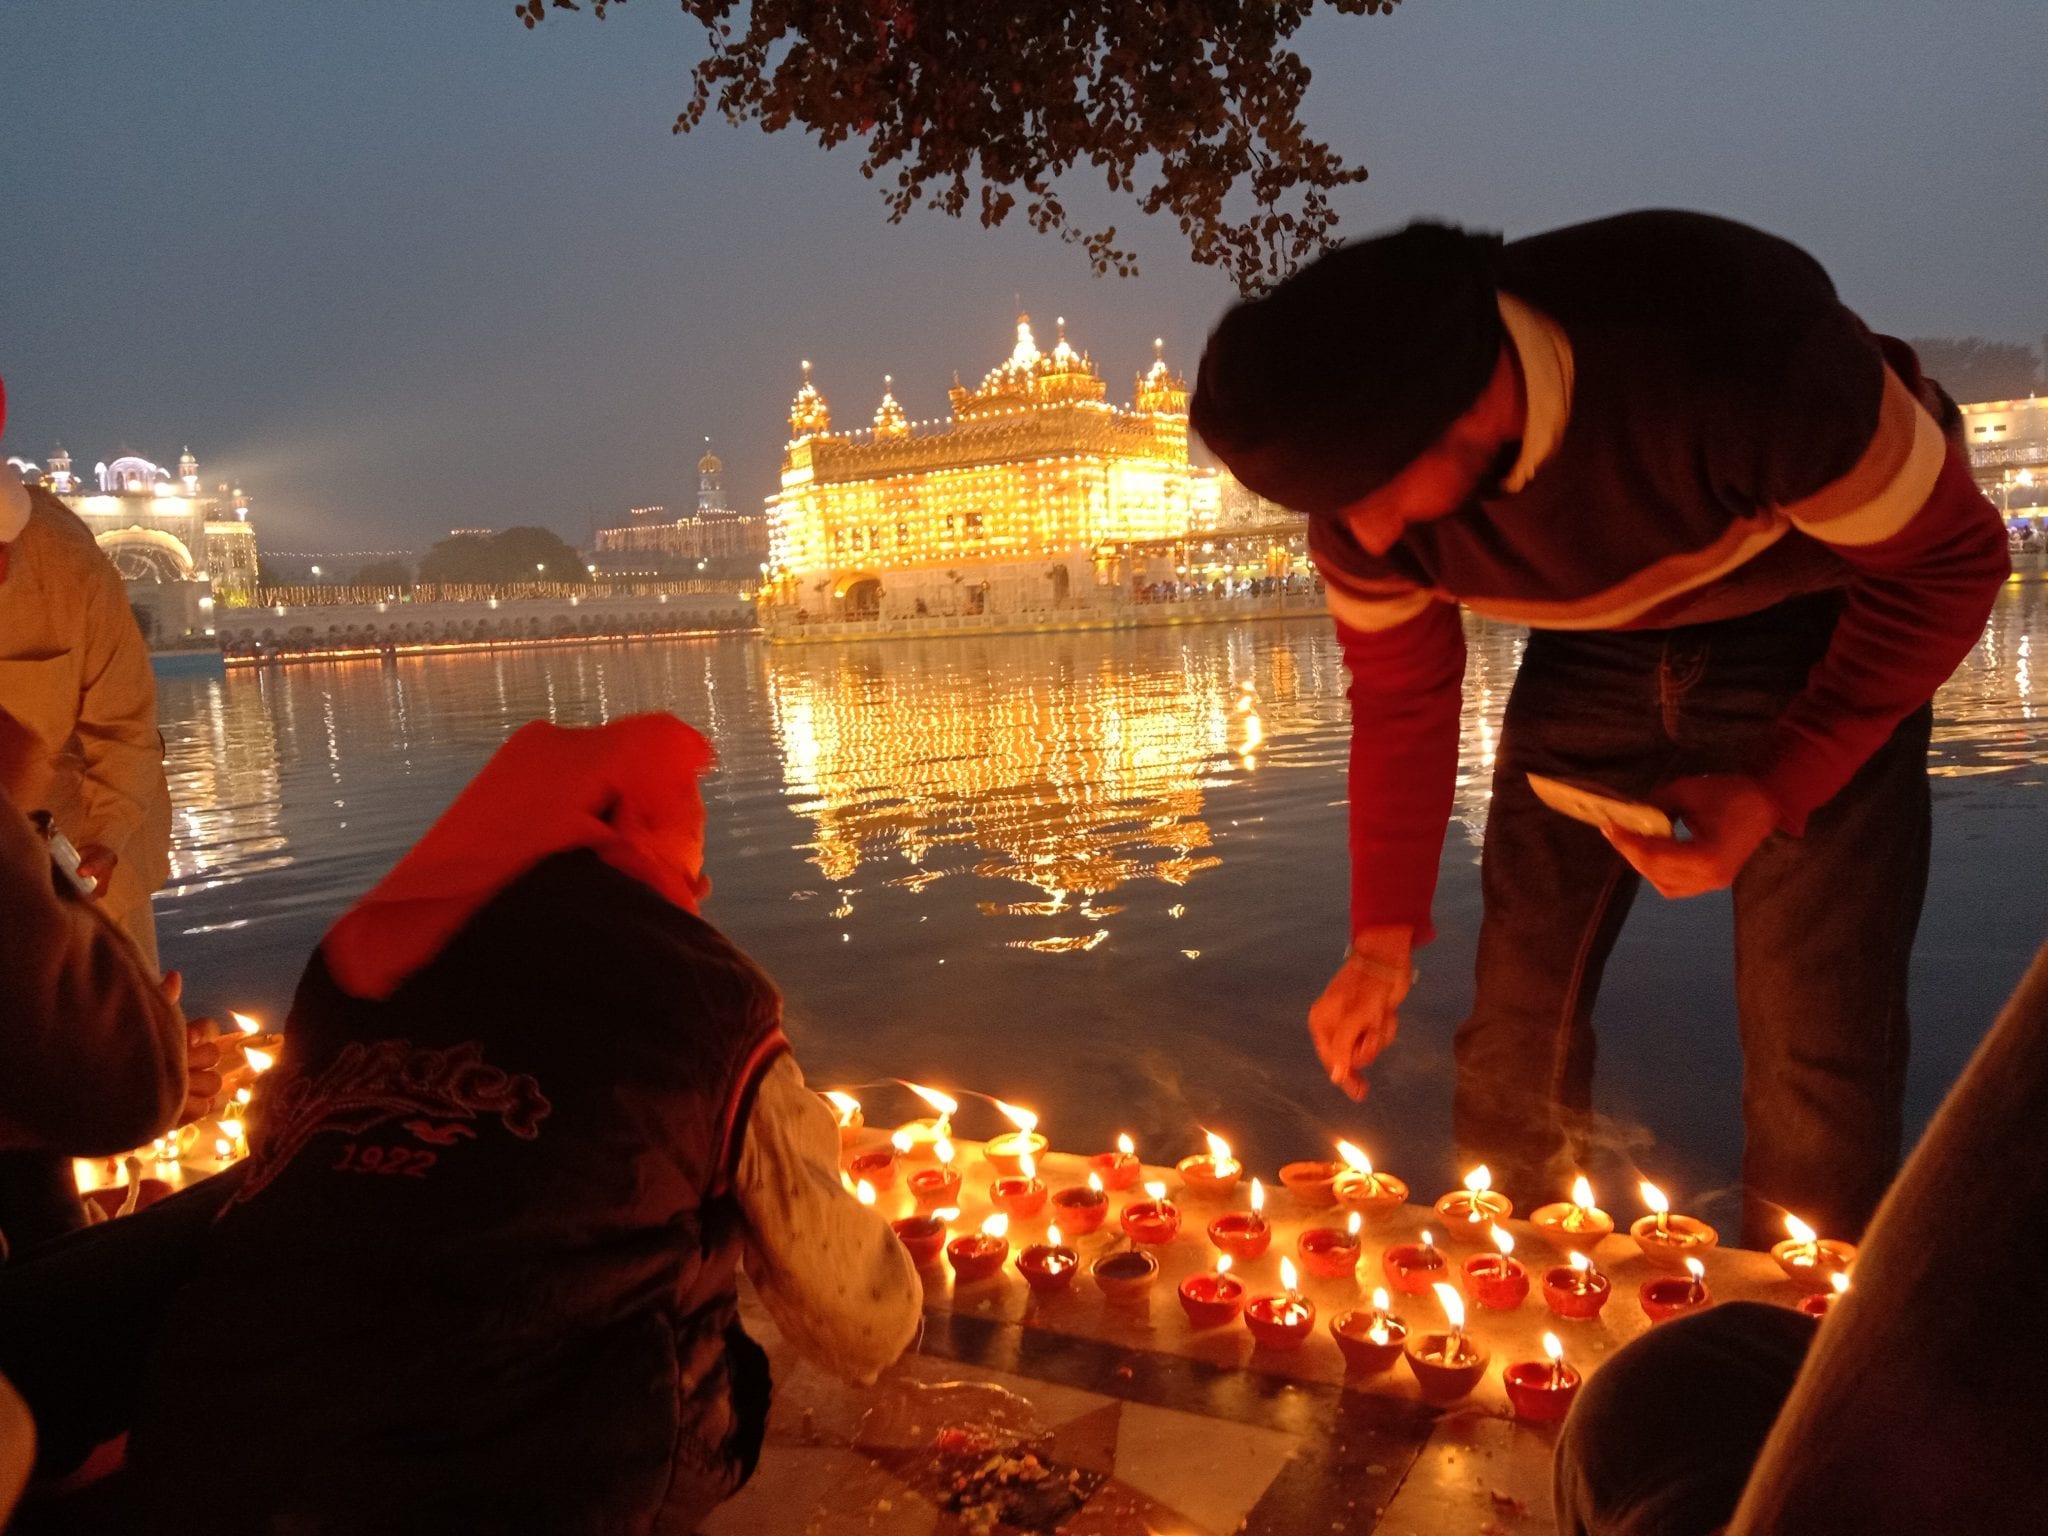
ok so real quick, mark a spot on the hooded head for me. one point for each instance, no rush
(1319, 392)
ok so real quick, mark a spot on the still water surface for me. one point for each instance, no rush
(1101, 874)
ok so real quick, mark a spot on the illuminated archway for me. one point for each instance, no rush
(148, 554)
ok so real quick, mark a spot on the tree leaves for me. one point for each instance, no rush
(1192, 107)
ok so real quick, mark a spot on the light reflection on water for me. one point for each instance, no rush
(1103, 874)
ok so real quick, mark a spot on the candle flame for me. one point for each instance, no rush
(244, 1023)
(1258, 1196)
(1581, 1263)
(221, 1149)
(944, 1149)
(1354, 1223)
(944, 1103)
(261, 1061)
(947, 1213)
(1156, 1190)
(1696, 1269)
(1553, 1346)
(1222, 1263)
(1288, 1278)
(1428, 1238)
(1839, 1280)
(1052, 1235)
(1023, 1119)
(1582, 1193)
(844, 1105)
(1355, 1158)
(1453, 1304)
(1219, 1152)
(1503, 1239)
(901, 1142)
(1479, 1180)
(1801, 1232)
(1653, 1197)
(1380, 1298)
(1095, 1182)
(242, 1095)
(232, 1129)
(864, 1192)
(997, 1225)
(1029, 1165)
(1126, 1146)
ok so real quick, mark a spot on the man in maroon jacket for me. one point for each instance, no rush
(1748, 553)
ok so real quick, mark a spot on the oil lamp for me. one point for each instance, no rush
(1082, 1206)
(1467, 1213)
(1412, 1268)
(1498, 1281)
(925, 1235)
(1021, 1194)
(1243, 1234)
(1666, 1239)
(931, 1188)
(1541, 1391)
(1212, 1297)
(1576, 1220)
(1330, 1253)
(1050, 1265)
(1155, 1219)
(1007, 1152)
(846, 1112)
(879, 1166)
(1370, 1342)
(1672, 1296)
(1810, 1259)
(1820, 1303)
(1213, 1172)
(1576, 1289)
(1312, 1183)
(925, 1135)
(1375, 1195)
(1446, 1365)
(1125, 1277)
(1119, 1169)
(1281, 1321)
(980, 1255)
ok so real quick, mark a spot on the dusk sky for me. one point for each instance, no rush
(399, 268)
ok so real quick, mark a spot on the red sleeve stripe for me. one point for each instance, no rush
(1888, 485)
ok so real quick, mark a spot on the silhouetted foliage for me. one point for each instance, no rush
(384, 573)
(1191, 106)
(1972, 369)
(516, 554)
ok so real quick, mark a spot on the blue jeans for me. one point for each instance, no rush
(1824, 923)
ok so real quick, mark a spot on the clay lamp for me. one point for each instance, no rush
(1214, 1172)
(1667, 1240)
(1081, 1206)
(925, 1236)
(1541, 1391)
(1125, 1277)
(1820, 1303)
(925, 1135)
(1314, 1184)
(1467, 1213)
(1331, 1253)
(1574, 1222)
(1155, 1219)
(1809, 1259)
(931, 1188)
(1669, 1296)
(1284, 1320)
(1577, 1289)
(1244, 1234)
(1119, 1169)
(1447, 1365)
(879, 1166)
(1050, 1265)
(980, 1255)
(1411, 1268)
(1498, 1281)
(1007, 1152)
(846, 1111)
(1370, 1342)
(1375, 1196)
(1212, 1298)
(1021, 1194)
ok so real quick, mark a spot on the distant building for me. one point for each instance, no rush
(1023, 500)
(180, 550)
(711, 540)
(2009, 452)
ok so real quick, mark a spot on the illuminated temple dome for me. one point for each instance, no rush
(1016, 503)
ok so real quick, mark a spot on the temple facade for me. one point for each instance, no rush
(1019, 503)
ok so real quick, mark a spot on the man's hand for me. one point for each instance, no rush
(1357, 1015)
(202, 1057)
(1728, 815)
(96, 861)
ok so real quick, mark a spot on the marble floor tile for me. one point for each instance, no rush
(1209, 1471)
(1476, 1469)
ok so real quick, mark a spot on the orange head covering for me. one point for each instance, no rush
(627, 791)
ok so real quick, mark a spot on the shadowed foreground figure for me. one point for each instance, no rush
(1918, 1408)
(479, 1273)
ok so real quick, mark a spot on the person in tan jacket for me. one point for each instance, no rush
(74, 669)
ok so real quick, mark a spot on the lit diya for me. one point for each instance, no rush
(1214, 1172)
(1213, 1297)
(1376, 1196)
(1498, 1281)
(1243, 1234)
(925, 1236)
(1370, 1342)
(925, 1135)
(1312, 1183)
(1412, 1268)
(1447, 1365)
(1541, 1391)
(1125, 1277)
(1670, 1296)
(1810, 1259)
(1006, 1153)
(1467, 1213)
(1666, 1239)
(1119, 1169)
(1284, 1320)
(879, 1166)
(1820, 1303)
(1050, 1265)
(980, 1255)
(1021, 1194)
(1331, 1253)
(846, 1113)
(1576, 1289)
(1081, 1206)
(1576, 1220)
(1155, 1219)
(931, 1188)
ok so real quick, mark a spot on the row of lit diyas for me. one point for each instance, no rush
(1447, 1364)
